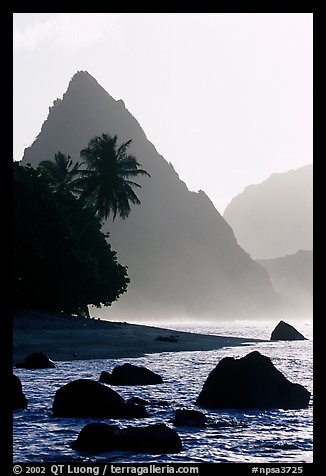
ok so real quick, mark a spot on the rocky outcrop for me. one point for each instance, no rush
(153, 439)
(128, 374)
(36, 360)
(189, 418)
(18, 398)
(251, 382)
(284, 331)
(88, 398)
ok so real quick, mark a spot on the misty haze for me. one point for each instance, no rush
(163, 252)
(182, 257)
(274, 218)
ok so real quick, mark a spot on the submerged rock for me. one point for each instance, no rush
(284, 331)
(250, 382)
(153, 403)
(189, 418)
(36, 360)
(18, 398)
(128, 374)
(159, 403)
(153, 439)
(88, 398)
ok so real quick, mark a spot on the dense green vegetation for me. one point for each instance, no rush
(62, 260)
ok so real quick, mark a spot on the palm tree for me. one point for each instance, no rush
(61, 173)
(106, 181)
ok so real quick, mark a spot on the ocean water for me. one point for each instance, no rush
(273, 436)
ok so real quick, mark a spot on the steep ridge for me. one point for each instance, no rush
(275, 218)
(292, 278)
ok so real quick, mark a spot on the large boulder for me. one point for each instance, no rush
(153, 439)
(284, 331)
(18, 398)
(250, 382)
(128, 374)
(36, 360)
(88, 398)
(189, 418)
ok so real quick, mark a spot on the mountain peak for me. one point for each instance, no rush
(82, 76)
(182, 256)
(82, 82)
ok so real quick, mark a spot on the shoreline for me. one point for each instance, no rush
(63, 337)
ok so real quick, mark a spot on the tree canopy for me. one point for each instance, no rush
(53, 269)
(62, 260)
(61, 172)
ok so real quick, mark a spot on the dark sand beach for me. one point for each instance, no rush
(64, 337)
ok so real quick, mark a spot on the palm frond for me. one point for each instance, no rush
(105, 181)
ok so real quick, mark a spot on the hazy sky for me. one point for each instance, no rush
(226, 98)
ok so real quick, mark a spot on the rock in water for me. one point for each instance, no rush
(88, 398)
(153, 403)
(95, 437)
(250, 382)
(105, 377)
(128, 374)
(18, 398)
(153, 439)
(189, 418)
(36, 360)
(284, 331)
